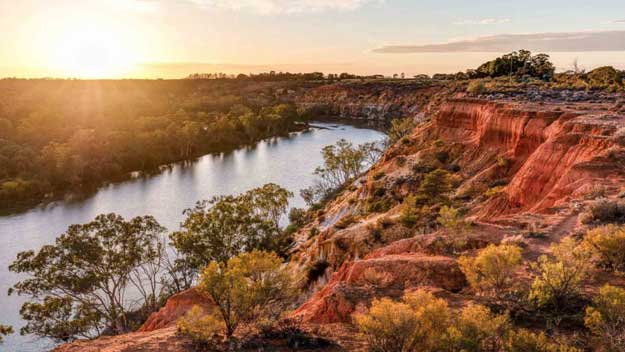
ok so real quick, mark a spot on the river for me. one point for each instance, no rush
(287, 161)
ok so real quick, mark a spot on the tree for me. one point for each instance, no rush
(606, 319)
(226, 226)
(519, 63)
(560, 278)
(248, 288)
(435, 187)
(491, 271)
(342, 162)
(78, 287)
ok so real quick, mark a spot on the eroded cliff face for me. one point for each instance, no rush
(381, 102)
(515, 166)
(542, 161)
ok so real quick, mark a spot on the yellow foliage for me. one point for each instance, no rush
(606, 319)
(561, 277)
(200, 326)
(250, 287)
(608, 244)
(491, 271)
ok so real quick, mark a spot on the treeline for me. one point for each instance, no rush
(273, 76)
(62, 135)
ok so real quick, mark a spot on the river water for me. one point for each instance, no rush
(287, 161)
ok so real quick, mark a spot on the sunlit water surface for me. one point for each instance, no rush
(288, 162)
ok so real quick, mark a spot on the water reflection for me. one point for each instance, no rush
(287, 161)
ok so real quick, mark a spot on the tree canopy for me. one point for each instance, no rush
(80, 285)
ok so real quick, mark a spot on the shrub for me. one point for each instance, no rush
(608, 243)
(450, 219)
(605, 211)
(409, 216)
(345, 222)
(313, 232)
(418, 323)
(606, 319)
(494, 191)
(560, 279)
(298, 217)
(248, 288)
(388, 326)
(435, 187)
(379, 175)
(491, 271)
(400, 128)
(203, 328)
(478, 329)
(476, 87)
(4, 331)
(316, 270)
(524, 340)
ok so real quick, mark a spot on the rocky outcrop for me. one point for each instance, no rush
(357, 282)
(552, 152)
(176, 307)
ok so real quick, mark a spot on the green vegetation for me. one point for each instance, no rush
(449, 218)
(605, 211)
(409, 215)
(400, 128)
(4, 331)
(520, 63)
(57, 136)
(559, 279)
(79, 286)
(492, 270)
(343, 162)
(226, 226)
(421, 322)
(608, 244)
(250, 288)
(435, 187)
(606, 319)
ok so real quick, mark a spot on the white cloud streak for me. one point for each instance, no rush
(545, 42)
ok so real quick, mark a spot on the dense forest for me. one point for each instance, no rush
(60, 135)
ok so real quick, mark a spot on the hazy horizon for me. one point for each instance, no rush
(174, 38)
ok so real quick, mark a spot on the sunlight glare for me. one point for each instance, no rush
(93, 53)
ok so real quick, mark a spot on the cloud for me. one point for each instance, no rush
(545, 42)
(618, 21)
(482, 22)
(285, 6)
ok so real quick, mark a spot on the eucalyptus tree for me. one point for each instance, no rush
(92, 278)
(225, 226)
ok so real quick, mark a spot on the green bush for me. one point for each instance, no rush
(435, 187)
(606, 319)
(608, 244)
(249, 288)
(605, 211)
(492, 270)
(476, 87)
(559, 279)
(409, 215)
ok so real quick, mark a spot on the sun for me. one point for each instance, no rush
(93, 53)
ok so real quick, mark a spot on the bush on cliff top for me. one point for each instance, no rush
(491, 271)
(421, 322)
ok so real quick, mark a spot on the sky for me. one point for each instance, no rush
(173, 38)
